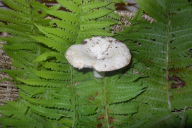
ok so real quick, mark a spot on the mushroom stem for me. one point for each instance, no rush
(98, 74)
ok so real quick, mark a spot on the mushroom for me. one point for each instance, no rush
(101, 54)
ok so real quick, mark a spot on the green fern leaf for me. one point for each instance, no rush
(53, 75)
(16, 6)
(58, 32)
(95, 32)
(18, 46)
(45, 56)
(27, 122)
(8, 110)
(95, 14)
(114, 15)
(50, 43)
(12, 13)
(161, 55)
(65, 25)
(66, 16)
(92, 5)
(12, 40)
(48, 113)
(87, 110)
(94, 24)
(49, 103)
(22, 2)
(56, 66)
(127, 108)
(70, 6)
(44, 83)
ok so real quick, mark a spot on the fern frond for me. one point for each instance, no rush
(114, 15)
(82, 77)
(161, 120)
(87, 110)
(181, 97)
(95, 32)
(53, 75)
(13, 31)
(58, 32)
(94, 24)
(66, 16)
(14, 72)
(123, 92)
(44, 83)
(15, 111)
(15, 39)
(23, 49)
(49, 103)
(65, 25)
(22, 2)
(125, 108)
(16, 6)
(92, 5)
(122, 97)
(12, 14)
(70, 6)
(122, 121)
(50, 43)
(20, 58)
(95, 14)
(55, 94)
(56, 66)
(38, 5)
(47, 112)
(162, 51)
(31, 91)
(44, 122)
(18, 46)
(27, 122)
(45, 56)
(63, 94)
(89, 87)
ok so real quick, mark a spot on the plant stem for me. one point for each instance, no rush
(34, 32)
(167, 64)
(38, 53)
(73, 99)
(105, 100)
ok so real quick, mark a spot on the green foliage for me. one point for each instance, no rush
(54, 94)
(86, 100)
(162, 51)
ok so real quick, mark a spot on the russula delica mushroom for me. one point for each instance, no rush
(101, 54)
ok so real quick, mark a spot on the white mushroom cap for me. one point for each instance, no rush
(102, 54)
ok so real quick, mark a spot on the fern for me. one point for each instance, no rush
(163, 48)
(21, 24)
(52, 92)
(88, 97)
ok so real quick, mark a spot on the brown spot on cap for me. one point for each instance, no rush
(83, 42)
